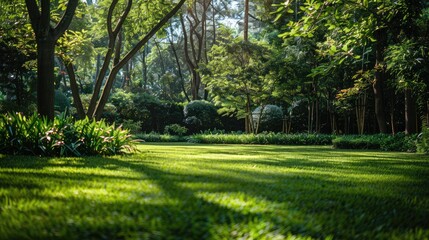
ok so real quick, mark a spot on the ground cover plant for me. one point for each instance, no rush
(191, 191)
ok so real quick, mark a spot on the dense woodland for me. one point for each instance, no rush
(317, 66)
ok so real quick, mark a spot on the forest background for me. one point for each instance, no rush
(317, 66)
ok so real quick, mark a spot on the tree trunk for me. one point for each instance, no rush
(144, 67)
(246, 21)
(179, 68)
(98, 110)
(379, 78)
(46, 38)
(75, 90)
(45, 76)
(360, 113)
(410, 113)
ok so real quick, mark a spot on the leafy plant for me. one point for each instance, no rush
(423, 141)
(156, 137)
(263, 138)
(201, 115)
(398, 142)
(175, 129)
(63, 136)
(268, 118)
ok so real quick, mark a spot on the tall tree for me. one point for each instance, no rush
(357, 24)
(113, 60)
(46, 38)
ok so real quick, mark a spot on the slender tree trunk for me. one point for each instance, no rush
(77, 102)
(249, 123)
(410, 113)
(97, 67)
(98, 110)
(246, 21)
(144, 67)
(179, 69)
(360, 113)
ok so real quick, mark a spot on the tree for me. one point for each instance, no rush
(195, 41)
(46, 38)
(357, 24)
(112, 57)
(239, 77)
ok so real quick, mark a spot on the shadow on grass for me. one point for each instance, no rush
(231, 203)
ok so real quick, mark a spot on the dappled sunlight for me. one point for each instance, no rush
(217, 192)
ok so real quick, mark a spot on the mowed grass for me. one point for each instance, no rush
(188, 191)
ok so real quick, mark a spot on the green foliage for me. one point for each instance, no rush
(263, 138)
(133, 126)
(137, 106)
(156, 137)
(189, 191)
(398, 142)
(240, 75)
(175, 129)
(201, 115)
(270, 119)
(64, 136)
(407, 62)
(62, 103)
(423, 141)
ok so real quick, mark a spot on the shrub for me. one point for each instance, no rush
(201, 115)
(62, 103)
(270, 119)
(156, 137)
(133, 126)
(175, 129)
(423, 141)
(61, 137)
(385, 142)
(268, 138)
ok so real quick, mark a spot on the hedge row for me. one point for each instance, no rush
(269, 138)
(384, 142)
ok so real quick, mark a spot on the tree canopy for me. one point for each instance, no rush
(332, 66)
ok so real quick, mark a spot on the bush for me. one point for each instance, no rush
(175, 129)
(423, 141)
(270, 138)
(271, 118)
(398, 142)
(61, 137)
(156, 137)
(133, 126)
(200, 115)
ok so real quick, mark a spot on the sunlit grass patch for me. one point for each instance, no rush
(188, 191)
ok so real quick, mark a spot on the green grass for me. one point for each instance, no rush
(188, 191)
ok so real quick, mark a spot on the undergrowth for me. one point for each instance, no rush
(64, 136)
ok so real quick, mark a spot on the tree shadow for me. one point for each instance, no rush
(309, 202)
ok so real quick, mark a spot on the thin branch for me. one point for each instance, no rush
(34, 13)
(66, 19)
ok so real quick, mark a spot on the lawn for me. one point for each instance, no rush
(189, 191)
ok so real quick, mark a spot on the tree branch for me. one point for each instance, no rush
(66, 19)
(34, 13)
(109, 83)
(123, 17)
(45, 18)
(109, 18)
